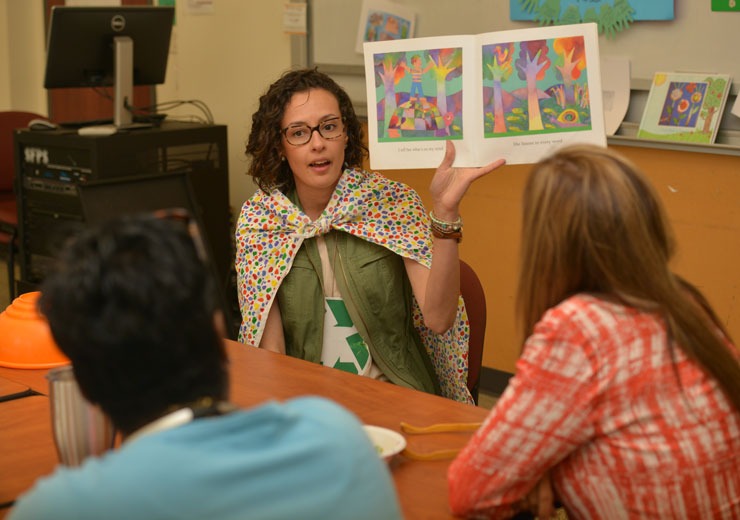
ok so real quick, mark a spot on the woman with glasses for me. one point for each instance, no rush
(345, 267)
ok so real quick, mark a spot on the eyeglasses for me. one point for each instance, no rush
(330, 129)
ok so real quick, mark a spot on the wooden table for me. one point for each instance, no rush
(12, 390)
(25, 378)
(27, 446)
(258, 375)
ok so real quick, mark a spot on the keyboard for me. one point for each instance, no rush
(154, 120)
(88, 122)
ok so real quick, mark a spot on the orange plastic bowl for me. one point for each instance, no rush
(25, 338)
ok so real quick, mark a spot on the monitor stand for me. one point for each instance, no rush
(124, 85)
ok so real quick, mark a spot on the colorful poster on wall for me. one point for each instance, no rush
(384, 21)
(612, 16)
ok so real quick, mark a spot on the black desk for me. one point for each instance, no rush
(50, 165)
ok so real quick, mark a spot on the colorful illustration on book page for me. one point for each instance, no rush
(419, 95)
(535, 87)
(684, 107)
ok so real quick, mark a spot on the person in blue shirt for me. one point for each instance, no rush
(132, 306)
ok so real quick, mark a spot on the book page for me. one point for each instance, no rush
(517, 94)
(420, 93)
(541, 90)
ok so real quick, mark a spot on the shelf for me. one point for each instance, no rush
(728, 142)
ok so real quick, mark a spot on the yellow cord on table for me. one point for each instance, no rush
(436, 428)
(440, 428)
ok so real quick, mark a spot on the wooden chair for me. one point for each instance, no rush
(9, 122)
(475, 303)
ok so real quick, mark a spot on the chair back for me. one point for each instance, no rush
(9, 121)
(475, 304)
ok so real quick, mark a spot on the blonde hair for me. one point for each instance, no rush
(593, 223)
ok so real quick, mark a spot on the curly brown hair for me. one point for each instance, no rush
(264, 144)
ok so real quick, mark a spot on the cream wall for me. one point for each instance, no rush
(4, 58)
(22, 50)
(225, 59)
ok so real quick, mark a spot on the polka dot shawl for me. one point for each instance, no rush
(271, 228)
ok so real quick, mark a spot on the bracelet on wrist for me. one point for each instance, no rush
(446, 229)
(455, 225)
(457, 235)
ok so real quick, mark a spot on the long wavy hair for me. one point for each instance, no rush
(593, 223)
(265, 139)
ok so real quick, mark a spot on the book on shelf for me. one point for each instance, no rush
(685, 107)
(518, 94)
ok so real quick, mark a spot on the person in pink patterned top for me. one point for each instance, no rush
(626, 397)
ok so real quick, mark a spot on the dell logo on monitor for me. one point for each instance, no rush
(118, 23)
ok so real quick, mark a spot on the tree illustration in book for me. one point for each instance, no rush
(516, 95)
(422, 94)
(535, 87)
(529, 87)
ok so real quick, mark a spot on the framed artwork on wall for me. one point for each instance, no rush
(382, 21)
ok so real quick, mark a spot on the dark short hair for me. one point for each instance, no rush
(264, 143)
(132, 306)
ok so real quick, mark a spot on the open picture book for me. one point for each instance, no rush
(517, 94)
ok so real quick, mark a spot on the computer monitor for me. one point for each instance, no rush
(104, 200)
(103, 46)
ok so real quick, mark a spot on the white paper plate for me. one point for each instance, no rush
(387, 442)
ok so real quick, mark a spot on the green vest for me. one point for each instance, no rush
(376, 290)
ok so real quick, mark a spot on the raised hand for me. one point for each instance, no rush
(449, 184)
